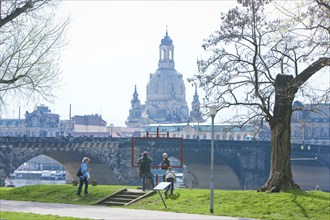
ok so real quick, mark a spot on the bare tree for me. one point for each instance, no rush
(253, 63)
(30, 38)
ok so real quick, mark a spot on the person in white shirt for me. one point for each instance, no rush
(170, 177)
(9, 182)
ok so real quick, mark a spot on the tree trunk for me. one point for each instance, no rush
(280, 176)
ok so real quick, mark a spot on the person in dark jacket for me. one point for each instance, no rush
(83, 179)
(165, 164)
(145, 172)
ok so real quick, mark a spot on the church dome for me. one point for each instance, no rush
(166, 84)
(166, 97)
(166, 91)
(166, 40)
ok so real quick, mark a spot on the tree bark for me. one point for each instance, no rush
(280, 176)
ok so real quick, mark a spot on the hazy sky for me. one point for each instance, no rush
(114, 45)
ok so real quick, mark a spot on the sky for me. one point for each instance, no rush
(114, 45)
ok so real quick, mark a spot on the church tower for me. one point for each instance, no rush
(166, 91)
(166, 53)
(195, 112)
(135, 112)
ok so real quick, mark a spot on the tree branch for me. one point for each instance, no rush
(321, 2)
(28, 5)
(309, 71)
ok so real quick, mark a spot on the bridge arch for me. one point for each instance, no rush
(72, 160)
(199, 173)
(68, 153)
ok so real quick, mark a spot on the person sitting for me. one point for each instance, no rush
(9, 182)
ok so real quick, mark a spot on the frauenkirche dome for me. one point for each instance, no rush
(166, 93)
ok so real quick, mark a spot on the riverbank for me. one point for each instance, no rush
(244, 204)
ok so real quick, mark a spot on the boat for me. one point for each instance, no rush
(53, 175)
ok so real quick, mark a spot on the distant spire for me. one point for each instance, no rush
(135, 95)
(166, 30)
(195, 111)
(196, 97)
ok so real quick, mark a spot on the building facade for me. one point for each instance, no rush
(87, 124)
(39, 123)
(203, 131)
(310, 124)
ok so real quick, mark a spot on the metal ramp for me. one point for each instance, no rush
(124, 197)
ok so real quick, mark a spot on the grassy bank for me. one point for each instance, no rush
(249, 204)
(24, 216)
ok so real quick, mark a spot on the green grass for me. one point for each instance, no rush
(248, 204)
(21, 215)
(65, 193)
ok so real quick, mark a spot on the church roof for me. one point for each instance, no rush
(166, 40)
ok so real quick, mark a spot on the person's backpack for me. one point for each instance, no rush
(79, 173)
(144, 165)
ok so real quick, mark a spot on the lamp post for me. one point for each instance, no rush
(198, 130)
(111, 126)
(213, 112)
(197, 117)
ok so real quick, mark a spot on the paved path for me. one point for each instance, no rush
(98, 212)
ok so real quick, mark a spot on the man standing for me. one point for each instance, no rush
(145, 172)
(165, 164)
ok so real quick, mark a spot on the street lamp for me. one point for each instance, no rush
(197, 117)
(111, 126)
(213, 112)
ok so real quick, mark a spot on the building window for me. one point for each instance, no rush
(163, 54)
(231, 137)
(317, 132)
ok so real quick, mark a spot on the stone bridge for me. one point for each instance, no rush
(237, 164)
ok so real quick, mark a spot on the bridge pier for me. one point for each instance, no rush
(6, 161)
